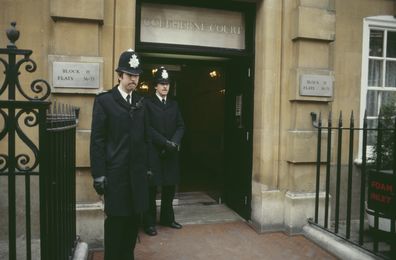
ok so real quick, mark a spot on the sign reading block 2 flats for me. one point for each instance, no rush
(316, 85)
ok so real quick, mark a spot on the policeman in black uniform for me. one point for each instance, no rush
(166, 129)
(118, 152)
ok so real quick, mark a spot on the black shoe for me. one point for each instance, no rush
(173, 224)
(151, 231)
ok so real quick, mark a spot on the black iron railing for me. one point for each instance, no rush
(37, 143)
(348, 184)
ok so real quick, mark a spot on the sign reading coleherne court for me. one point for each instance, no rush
(182, 25)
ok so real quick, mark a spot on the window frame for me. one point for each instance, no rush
(383, 22)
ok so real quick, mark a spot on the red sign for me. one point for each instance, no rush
(381, 192)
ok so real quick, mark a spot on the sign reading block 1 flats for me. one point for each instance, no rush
(192, 26)
(75, 75)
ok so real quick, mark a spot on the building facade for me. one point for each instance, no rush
(282, 60)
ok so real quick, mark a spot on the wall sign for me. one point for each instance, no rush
(192, 26)
(75, 75)
(316, 85)
(381, 192)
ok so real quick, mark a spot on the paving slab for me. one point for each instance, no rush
(228, 241)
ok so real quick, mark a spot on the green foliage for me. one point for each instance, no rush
(384, 148)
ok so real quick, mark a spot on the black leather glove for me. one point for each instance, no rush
(171, 146)
(149, 174)
(100, 184)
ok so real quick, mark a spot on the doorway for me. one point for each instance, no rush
(215, 155)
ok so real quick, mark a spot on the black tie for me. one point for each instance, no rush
(163, 101)
(128, 98)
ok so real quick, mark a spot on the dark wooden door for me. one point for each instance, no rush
(238, 136)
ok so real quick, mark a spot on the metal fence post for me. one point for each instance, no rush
(56, 176)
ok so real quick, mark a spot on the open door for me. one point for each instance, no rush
(238, 136)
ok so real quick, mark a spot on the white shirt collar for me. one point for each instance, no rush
(123, 93)
(160, 98)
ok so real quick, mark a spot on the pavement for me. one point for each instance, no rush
(212, 231)
(230, 240)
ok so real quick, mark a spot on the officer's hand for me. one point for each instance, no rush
(100, 184)
(149, 174)
(171, 146)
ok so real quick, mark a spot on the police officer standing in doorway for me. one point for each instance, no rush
(166, 129)
(118, 152)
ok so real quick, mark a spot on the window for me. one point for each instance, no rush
(378, 69)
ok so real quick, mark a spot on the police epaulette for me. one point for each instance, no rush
(102, 92)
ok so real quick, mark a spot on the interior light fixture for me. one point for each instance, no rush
(144, 86)
(213, 74)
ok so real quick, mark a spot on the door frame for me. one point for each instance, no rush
(216, 54)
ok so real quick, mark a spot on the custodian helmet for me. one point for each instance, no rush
(161, 76)
(129, 63)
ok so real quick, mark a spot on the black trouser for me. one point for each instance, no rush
(167, 215)
(120, 237)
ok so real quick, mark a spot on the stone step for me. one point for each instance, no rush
(90, 221)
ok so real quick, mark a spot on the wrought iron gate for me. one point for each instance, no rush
(37, 142)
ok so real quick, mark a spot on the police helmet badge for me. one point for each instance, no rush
(129, 63)
(134, 61)
(161, 76)
(164, 74)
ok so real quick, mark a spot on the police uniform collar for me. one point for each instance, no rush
(123, 93)
(159, 97)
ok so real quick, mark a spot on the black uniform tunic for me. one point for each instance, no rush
(165, 123)
(119, 149)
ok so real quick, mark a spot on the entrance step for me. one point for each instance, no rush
(200, 208)
(90, 222)
(189, 208)
(190, 198)
(205, 214)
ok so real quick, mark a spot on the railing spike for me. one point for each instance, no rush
(320, 118)
(340, 119)
(352, 123)
(329, 119)
(58, 115)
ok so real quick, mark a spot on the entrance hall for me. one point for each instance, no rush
(199, 86)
